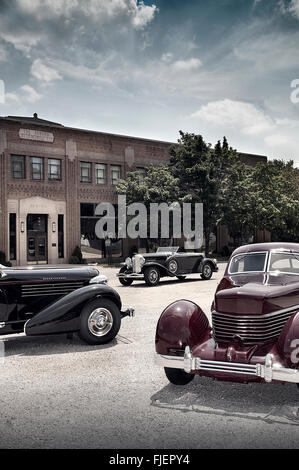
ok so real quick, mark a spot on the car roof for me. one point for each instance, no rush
(280, 246)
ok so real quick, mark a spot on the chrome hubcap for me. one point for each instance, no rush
(100, 321)
(153, 276)
(207, 270)
(172, 266)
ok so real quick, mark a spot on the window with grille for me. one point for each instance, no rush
(37, 168)
(54, 169)
(115, 171)
(18, 166)
(101, 173)
(85, 172)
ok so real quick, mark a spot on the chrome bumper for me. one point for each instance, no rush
(268, 371)
(129, 312)
(130, 276)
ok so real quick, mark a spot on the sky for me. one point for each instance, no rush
(149, 69)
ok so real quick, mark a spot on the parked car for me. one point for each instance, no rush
(254, 336)
(167, 261)
(45, 301)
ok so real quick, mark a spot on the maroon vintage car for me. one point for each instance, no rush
(254, 335)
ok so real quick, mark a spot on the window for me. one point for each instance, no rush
(37, 168)
(60, 236)
(284, 262)
(115, 171)
(101, 173)
(12, 236)
(18, 166)
(54, 169)
(141, 172)
(85, 172)
(244, 263)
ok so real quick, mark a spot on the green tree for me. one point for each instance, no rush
(158, 186)
(202, 172)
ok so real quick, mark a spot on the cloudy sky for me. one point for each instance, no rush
(218, 67)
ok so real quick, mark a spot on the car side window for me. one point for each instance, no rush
(284, 262)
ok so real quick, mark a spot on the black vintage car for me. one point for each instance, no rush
(167, 261)
(46, 301)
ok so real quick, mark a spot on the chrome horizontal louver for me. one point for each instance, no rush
(37, 290)
(250, 328)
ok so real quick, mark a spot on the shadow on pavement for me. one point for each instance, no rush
(162, 282)
(271, 403)
(54, 344)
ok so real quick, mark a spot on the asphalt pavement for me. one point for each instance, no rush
(57, 392)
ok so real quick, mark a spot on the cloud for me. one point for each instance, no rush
(12, 98)
(30, 94)
(244, 116)
(21, 40)
(189, 64)
(270, 51)
(292, 7)
(43, 72)
(3, 54)
(98, 11)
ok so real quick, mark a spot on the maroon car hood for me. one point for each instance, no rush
(258, 294)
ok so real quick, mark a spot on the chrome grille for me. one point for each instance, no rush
(61, 288)
(250, 328)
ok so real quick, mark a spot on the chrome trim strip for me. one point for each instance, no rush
(256, 317)
(268, 370)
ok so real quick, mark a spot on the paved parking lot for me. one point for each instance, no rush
(61, 393)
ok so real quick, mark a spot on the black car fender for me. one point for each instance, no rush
(163, 270)
(204, 261)
(63, 315)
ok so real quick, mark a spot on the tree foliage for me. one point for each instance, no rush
(245, 199)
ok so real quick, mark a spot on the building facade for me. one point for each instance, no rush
(52, 178)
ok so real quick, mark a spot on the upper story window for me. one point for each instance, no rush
(101, 173)
(115, 171)
(85, 172)
(54, 169)
(141, 173)
(18, 166)
(37, 168)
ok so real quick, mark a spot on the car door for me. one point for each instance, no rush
(3, 306)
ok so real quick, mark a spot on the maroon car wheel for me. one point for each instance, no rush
(178, 376)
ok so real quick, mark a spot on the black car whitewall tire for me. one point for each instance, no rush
(122, 280)
(100, 321)
(152, 276)
(207, 271)
(178, 376)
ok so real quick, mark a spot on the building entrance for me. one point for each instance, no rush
(37, 239)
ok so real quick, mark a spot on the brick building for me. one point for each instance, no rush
(53, 176)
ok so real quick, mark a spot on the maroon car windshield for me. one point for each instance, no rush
(248, 262)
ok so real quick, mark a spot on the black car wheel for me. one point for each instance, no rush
(100, 321)
(173, 266)
(207, 271)
(122, 280)
(152, 276)
(178, 376)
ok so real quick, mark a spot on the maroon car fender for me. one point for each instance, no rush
(182, 323)
(288, 341)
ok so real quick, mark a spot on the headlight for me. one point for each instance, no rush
(128, 262)
(215, 261)
(142, 261)
(99, 279)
